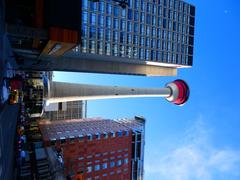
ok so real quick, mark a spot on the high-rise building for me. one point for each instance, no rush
(156, 31)
(141, 37)
(98, 148)
(67, 110)
(138, 142)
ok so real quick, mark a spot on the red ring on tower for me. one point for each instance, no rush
(183, 92)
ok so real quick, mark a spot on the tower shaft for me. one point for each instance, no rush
(63, 92)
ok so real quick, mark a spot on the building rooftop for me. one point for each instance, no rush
(78, 127)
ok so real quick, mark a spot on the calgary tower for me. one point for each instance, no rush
(176, 92)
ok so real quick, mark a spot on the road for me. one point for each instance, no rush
(8, 119)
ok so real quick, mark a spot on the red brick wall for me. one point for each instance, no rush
(73, 151)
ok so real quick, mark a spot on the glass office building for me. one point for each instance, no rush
(160, 31)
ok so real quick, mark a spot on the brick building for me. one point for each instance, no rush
(94, 148)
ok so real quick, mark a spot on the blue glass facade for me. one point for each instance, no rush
(153, 30)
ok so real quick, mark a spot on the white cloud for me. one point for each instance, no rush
(194, 159)
(225, 11)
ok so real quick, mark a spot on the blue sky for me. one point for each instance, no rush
(200, 140)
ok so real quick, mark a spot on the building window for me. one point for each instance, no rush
(112, 152)
(122, 50)
(147, 54)
(126, 161)
(135, 40)
(105, 135)
(85, 4)
(129, 14)
(106, 153)
(89, 156)
(71, 138)
(115, 48)
(154, 20)
(136, 16)
(119, 171)
(92, 46)
(153, 32)
(115, 23)
(98, 136)
(119, 162)
(108, 35)
(112, 164)
(84, 17)
(107, 47)
(62, 140)
(153, 55)
(116, 11)
(129, 27)
(135, 53)
(142, 5)
(100, 34)
(129, 51)
(123, 25)
(119, 133)
(100, 48)
(93, 6)
(101, 7)
(100, 20)
(147, 42)
(148, 31)
(93, 19)
(108, 21)
(97, 167)
(113, 134)
(53, 141)
(104, 166)
(104, 175)
(136, 27)
(129, 38)
(148, 19)
(92, 32)
(98, 155)
(148, 8)
(142, 31)
(89, 169)
(89, 136)
(141, 41)
(80, 158)
(123, 12)
(126, 133)
(164, 23)
(108, 9)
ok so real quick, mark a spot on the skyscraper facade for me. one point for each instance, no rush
(158, 31)
(138, 37)
(68, 110)
(94, 148)
(138, 142)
